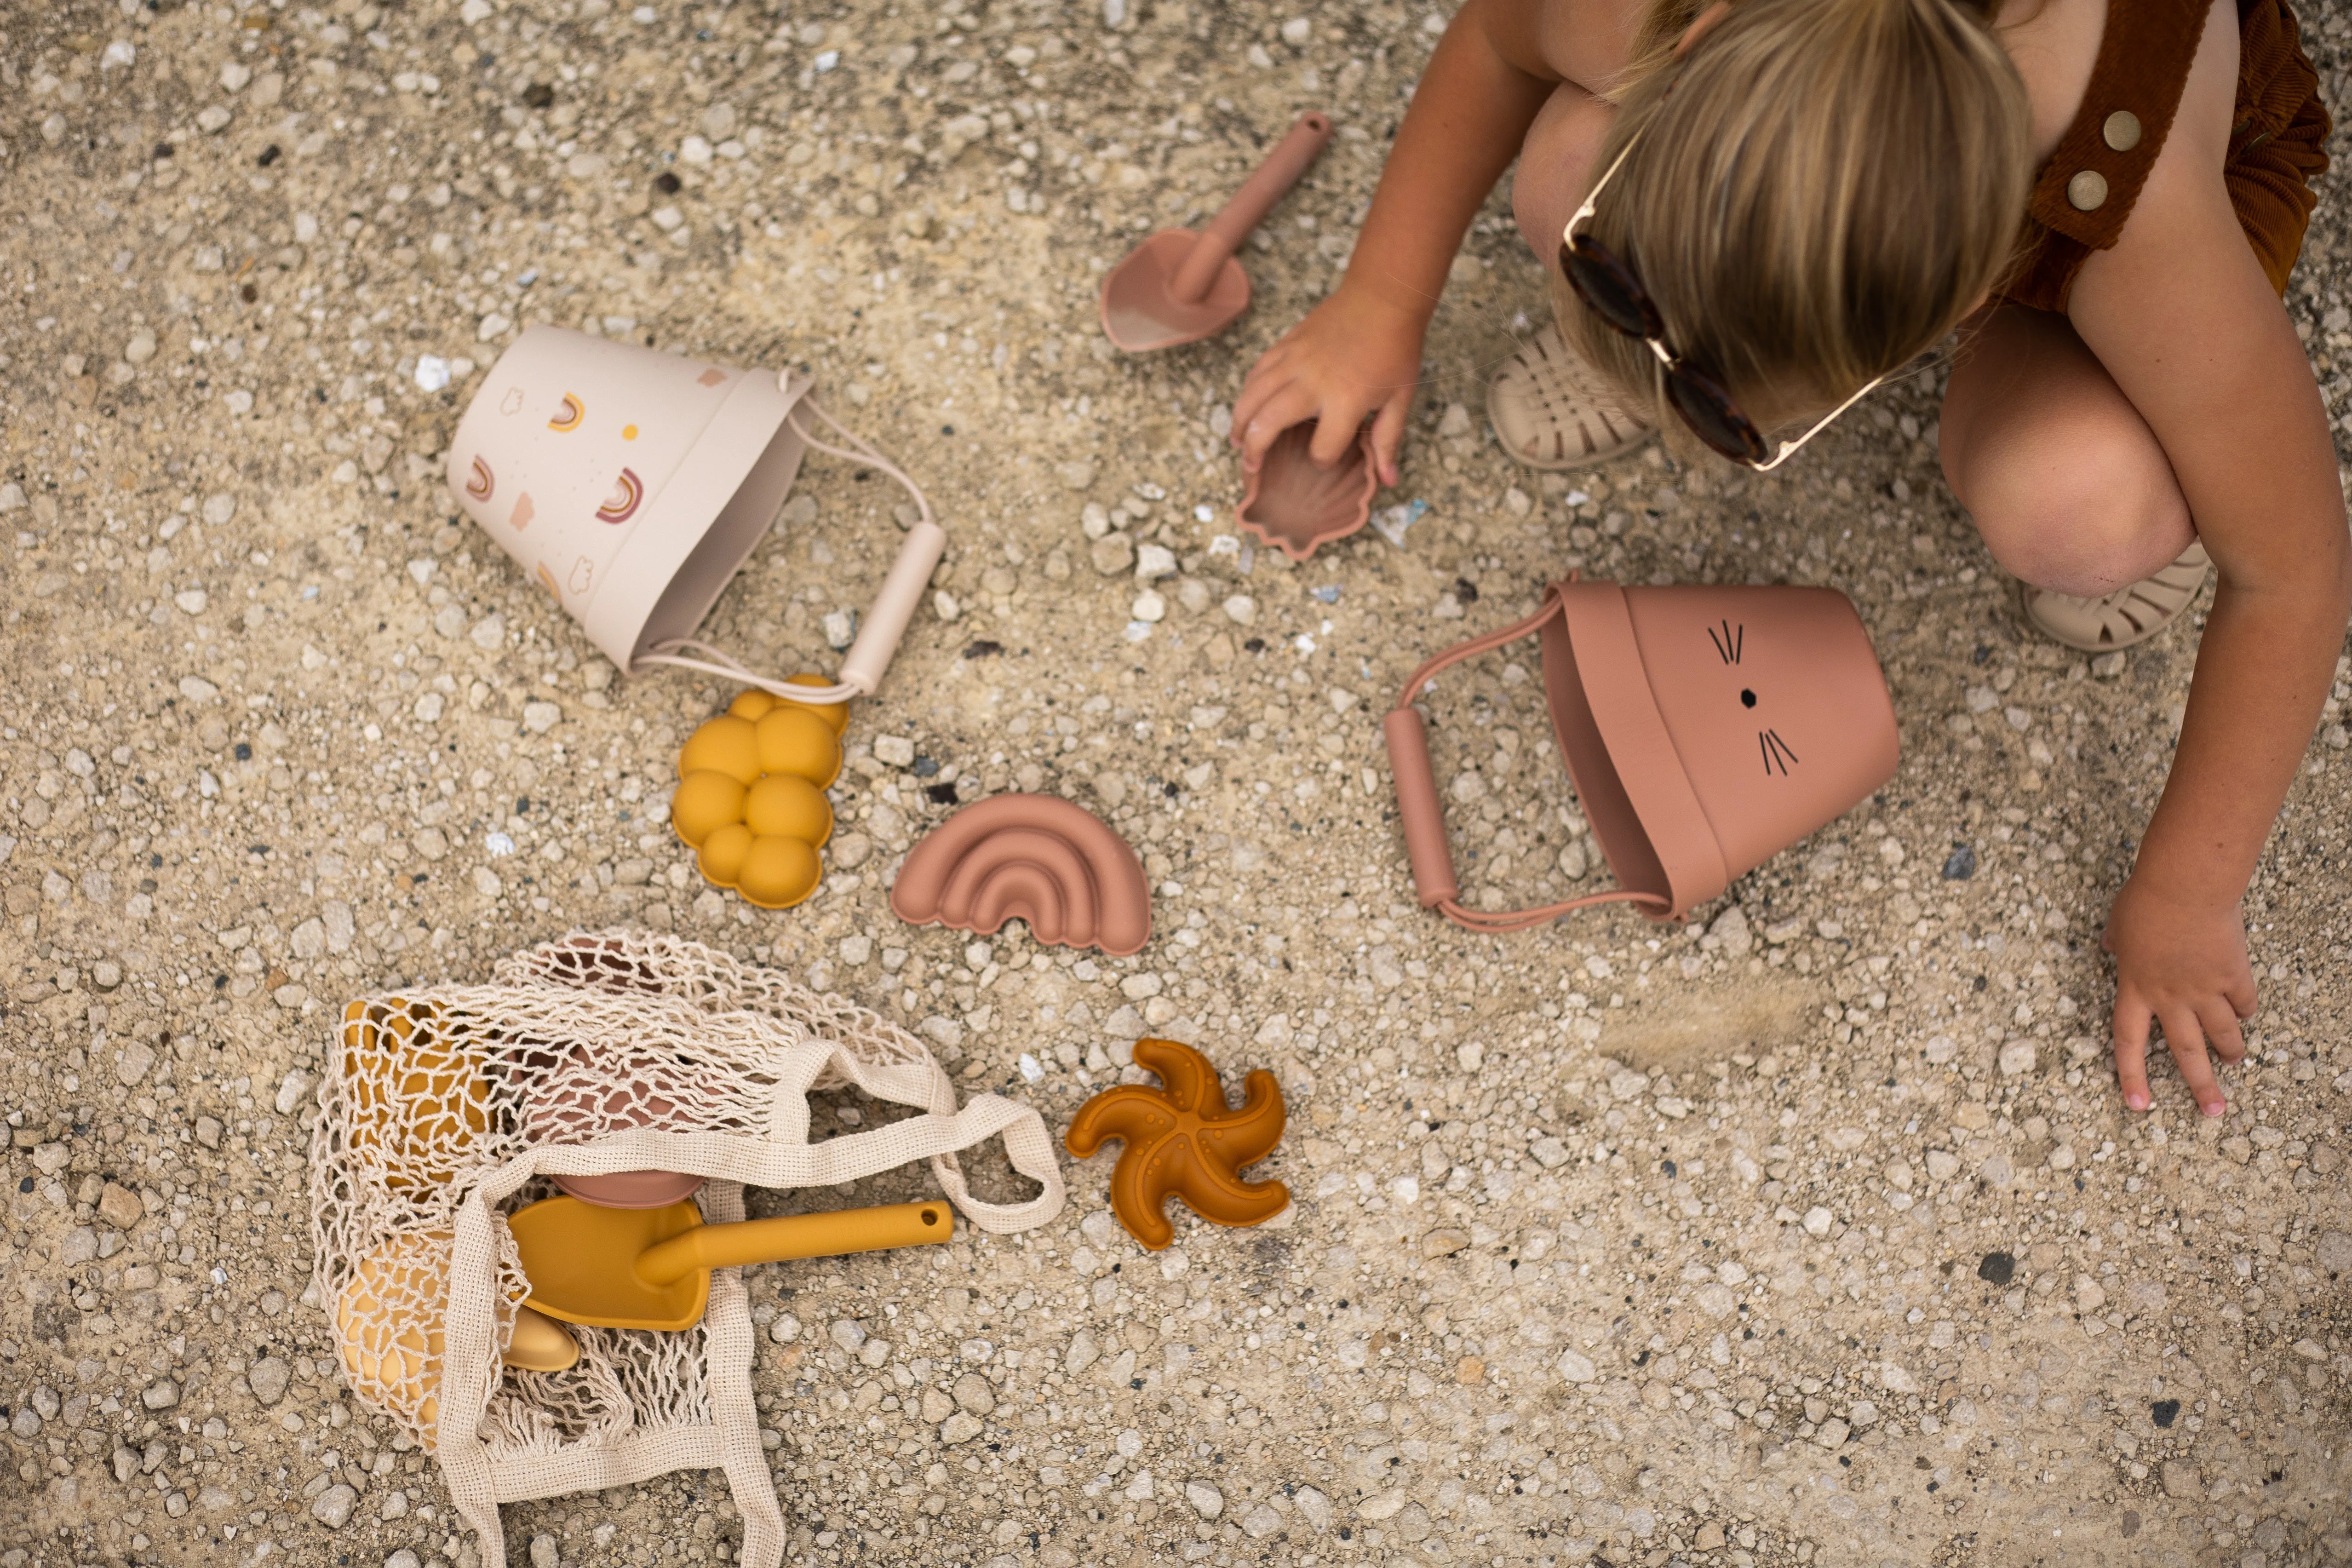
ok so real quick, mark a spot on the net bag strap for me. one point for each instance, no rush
(893, 604)
(1424, 814)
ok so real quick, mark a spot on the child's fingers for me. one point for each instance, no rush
(1283, 405)
(2241, 992)
(1263, 384)
(1387, 432)
(1335, 430)
(2187, 1040)
(2219, 1023)
(2130, 1033)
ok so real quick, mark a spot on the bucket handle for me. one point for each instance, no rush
(1424, 814)
(893, 604)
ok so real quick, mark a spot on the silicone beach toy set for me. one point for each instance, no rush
(528, 1195)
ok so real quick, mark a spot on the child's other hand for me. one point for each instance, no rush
(2184, 967)
(1353, 355)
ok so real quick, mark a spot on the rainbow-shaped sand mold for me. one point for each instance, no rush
(751, 793)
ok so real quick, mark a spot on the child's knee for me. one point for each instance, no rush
(2074, 506)
(2083, 521)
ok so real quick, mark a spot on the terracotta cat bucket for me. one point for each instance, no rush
(633, 484)
(1706, 728)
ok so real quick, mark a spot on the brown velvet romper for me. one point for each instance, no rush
(2276, 141)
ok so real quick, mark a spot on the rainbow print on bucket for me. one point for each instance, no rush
(628, 490)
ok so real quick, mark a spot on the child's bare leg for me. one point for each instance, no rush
(2068, 485)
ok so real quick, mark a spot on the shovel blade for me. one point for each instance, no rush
(1139, 309)
(581, 1259)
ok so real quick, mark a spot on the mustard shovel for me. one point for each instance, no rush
(650, 1268)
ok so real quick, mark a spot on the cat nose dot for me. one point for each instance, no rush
(1746, 698)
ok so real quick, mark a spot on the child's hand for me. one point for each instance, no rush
(2183, 967)
(1353, 355)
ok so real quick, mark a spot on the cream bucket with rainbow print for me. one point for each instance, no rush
(631, 485)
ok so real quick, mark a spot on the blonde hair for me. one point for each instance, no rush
(1823, 189)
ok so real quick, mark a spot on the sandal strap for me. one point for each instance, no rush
(2131, 615)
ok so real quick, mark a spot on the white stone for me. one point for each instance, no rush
(268, 1378)
(1731, 933)
(1577, 1367)
(1206, 1500)
(333, 1507)
(292, 1089)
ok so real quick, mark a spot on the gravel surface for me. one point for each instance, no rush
(1811, 1231)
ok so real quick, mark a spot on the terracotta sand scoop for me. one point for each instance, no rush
(1179, 286)
(650, 1268)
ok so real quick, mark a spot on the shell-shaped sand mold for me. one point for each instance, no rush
(751, 793)
(1296, 505)
(1033, 857)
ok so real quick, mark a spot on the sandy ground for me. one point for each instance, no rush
(1810, 1232)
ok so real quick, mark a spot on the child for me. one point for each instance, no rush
(1785, 201)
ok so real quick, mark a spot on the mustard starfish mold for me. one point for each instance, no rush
(1183, 1139)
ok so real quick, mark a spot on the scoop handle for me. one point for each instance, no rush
(786, 1237)
(894, 607)
(1283, 168)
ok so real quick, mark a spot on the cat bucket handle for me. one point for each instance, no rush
(1424, 814)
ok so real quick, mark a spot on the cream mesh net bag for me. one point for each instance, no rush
(444, 1108)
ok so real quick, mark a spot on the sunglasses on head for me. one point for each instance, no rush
(1615, 294)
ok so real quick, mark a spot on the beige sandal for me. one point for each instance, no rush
(1552, 410)
(2132, 613)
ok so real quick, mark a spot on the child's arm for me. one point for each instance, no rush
(2183, 318)
(1359, 351)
